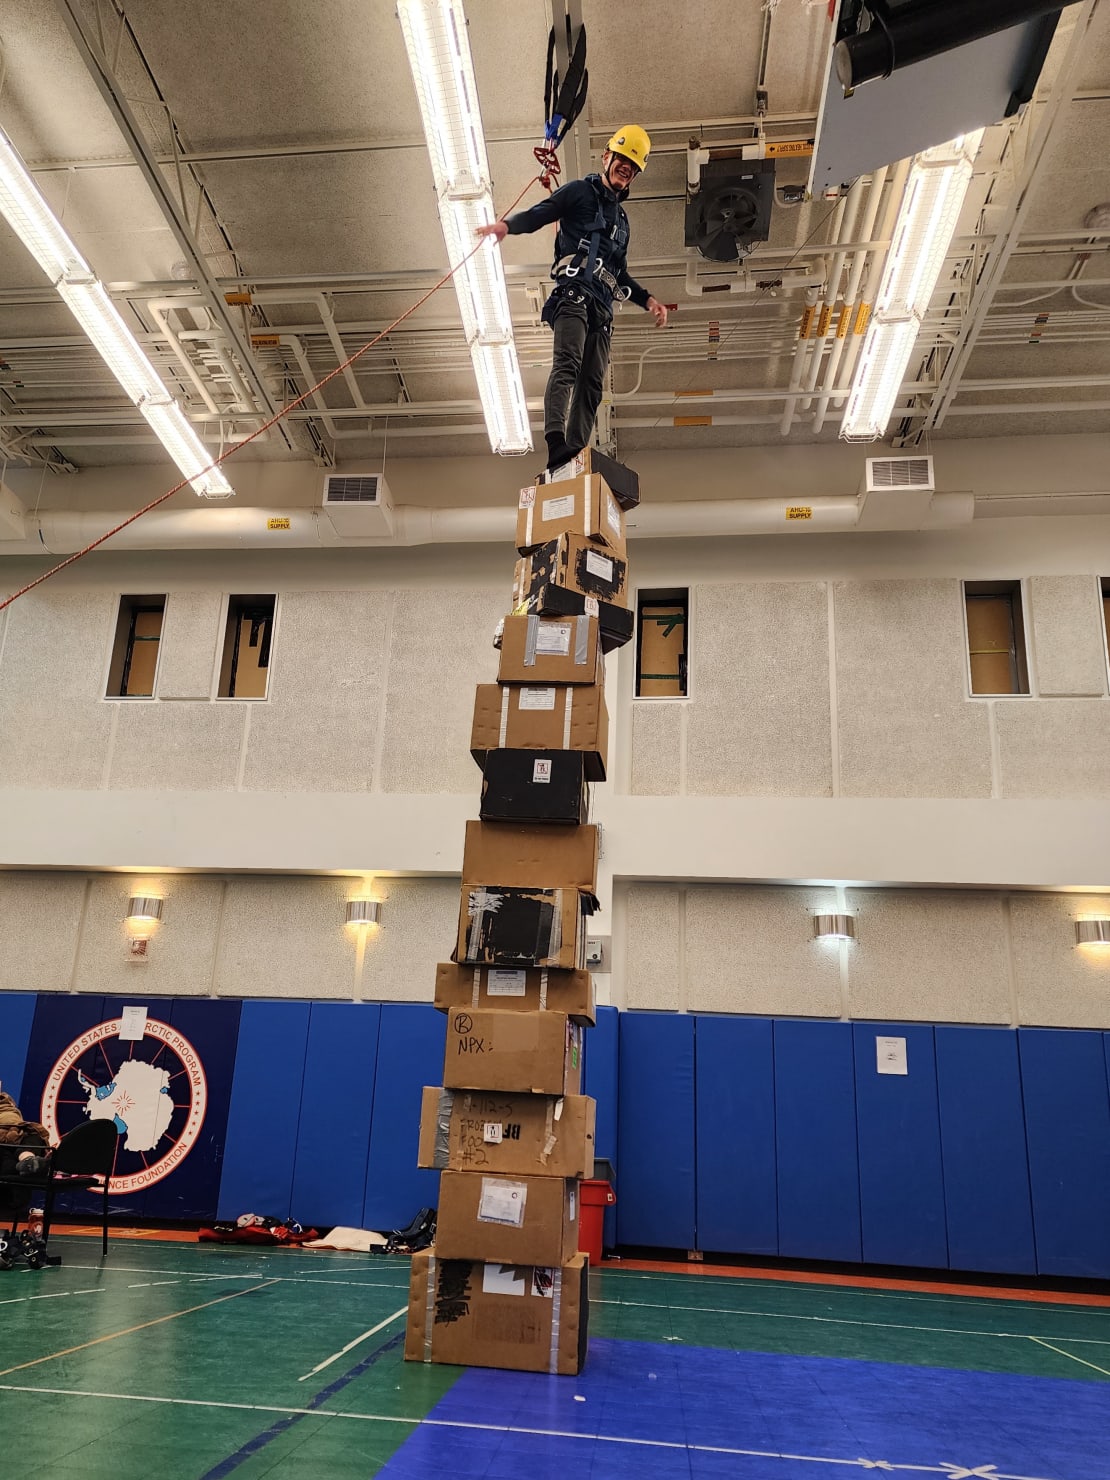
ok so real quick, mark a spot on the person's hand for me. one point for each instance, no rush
(499, 231)
(658, 312)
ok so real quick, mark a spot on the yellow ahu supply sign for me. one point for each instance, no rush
(799, 511)
(279, 524)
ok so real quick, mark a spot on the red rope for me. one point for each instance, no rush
(265, 427)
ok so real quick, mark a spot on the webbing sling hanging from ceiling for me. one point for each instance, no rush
(562, 101)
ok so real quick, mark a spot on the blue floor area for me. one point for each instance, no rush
(708, 1414)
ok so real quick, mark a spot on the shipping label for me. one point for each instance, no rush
(501, 982)
(557, 508)
(553, 638)
(599, 565)
(536, 699)
(502, 1201)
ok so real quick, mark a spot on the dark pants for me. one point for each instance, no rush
(581, 356)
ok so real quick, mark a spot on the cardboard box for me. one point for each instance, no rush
(520, 1220)
(573, 563)
(478, 1314)
(536, 1053)
(542, 717)
(624, 483)
(500, 925)
(528, 854)
(615, 623)
(661, 670)
(516, 989)
(583, 506)
(468, 1130)
(545, 650)
(534, 786)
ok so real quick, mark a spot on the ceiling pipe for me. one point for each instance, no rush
(63, 531)
(745, 281)
(845, 329)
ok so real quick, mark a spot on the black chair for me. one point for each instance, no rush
(82, 1161)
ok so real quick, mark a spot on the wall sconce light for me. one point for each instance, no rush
(834, 927)
(146, 908)
(364, 911)
(1092, 932)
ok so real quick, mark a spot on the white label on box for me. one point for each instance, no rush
(527, 497)
(613, 514)
(493, 1132)
(536, 699)
(502, 982)
(557, 508)
(591, 606)
(132, 1024)
(572, 1203)
(541, 771)
(599, 565)
(553, 638)
(503, 1279)
(890, 1055)
(502, 1202)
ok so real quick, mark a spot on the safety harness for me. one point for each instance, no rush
(583, 261)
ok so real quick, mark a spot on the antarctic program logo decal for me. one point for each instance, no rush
(153, 1088)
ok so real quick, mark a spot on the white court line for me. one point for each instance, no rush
(1074, 1358)
(257, 1274)
(947, 1470)
(54, 1295)
(343, 1350)
(776, 1315)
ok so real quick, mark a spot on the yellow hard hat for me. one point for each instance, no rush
(633, 143)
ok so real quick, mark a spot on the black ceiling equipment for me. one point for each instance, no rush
(731, 209)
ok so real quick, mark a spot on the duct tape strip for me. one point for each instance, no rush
(582, 640)
(531, 638)
(543, 989)
(480, 903)
(556, 1317)
(587, 491)
(476, 992)
(504, 730)
(549, 1137)
(430, 1308)
(566, 717)
(528, 517)
(442, 1149)
(555, 936)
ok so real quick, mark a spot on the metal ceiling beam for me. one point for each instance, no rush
(112, 92)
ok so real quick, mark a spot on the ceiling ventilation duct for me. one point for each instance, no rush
(897, 472)
(728, 210)
(895, 492)
(358, 504)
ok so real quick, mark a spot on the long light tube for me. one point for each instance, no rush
(935, 189)
(32, 220)
(435, 38)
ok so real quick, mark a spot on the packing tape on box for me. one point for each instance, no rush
(587, 488)
(543, 989)
(442, 1148)
(582, 642)
(549, 1137)
(556, 1314)
(502, 734)
(475, 995)
(566, 718)
(430, 1310)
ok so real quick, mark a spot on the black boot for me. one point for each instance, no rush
(557, 450)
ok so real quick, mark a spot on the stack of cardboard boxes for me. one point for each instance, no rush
(505, 1284)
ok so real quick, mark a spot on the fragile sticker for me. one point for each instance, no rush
(502, 1201)
(553, 639)
(541, 771)
(492, 1133)
(527, 497)
(536, 699)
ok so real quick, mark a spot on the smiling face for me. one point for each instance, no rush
(618, 171)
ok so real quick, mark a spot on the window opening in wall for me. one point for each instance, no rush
(996, 637)
(246, 659)
(135, 649)
(662, 625)
(1106, 610)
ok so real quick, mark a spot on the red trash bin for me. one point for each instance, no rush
(596, 1195)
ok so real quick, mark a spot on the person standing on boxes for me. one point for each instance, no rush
(590, 270)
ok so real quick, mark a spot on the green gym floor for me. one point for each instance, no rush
(195, 1362)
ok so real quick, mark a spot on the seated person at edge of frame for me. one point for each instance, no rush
(24, 1144)
(590, 270)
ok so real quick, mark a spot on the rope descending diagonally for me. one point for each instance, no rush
(266, 425)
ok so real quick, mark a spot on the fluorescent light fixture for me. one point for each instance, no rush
(435, 38)
(835, 927)
(927, 218)
(1092, 931)
(32, 220)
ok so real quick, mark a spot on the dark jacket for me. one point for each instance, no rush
(577, 206)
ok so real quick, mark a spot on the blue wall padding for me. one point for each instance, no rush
(1067, 1122)
(411, 1044)
(17, 1013)
(900, 1178)
(600, 1081)
(986, 1169)
(265, 1110)
(655, 1148)
(337, 1103)
(816, 1139)
(735, 1099)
